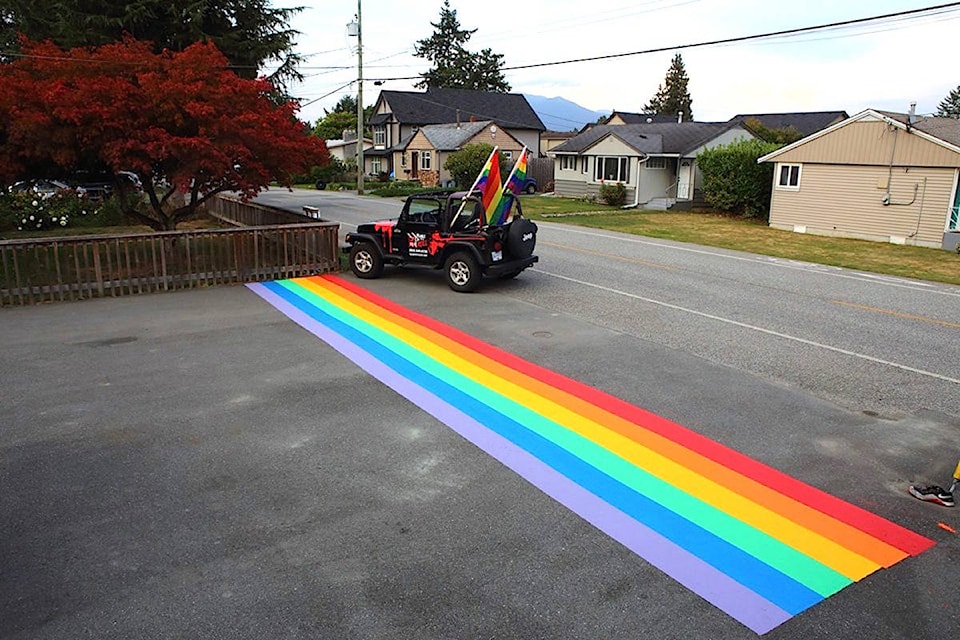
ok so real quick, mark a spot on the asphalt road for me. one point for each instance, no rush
(194, 465)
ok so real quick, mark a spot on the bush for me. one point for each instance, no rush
(733, 181)
(465, 165)
(614, 195)
(406, 189)
(64, 209)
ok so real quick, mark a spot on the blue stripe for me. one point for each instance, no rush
(756, 575)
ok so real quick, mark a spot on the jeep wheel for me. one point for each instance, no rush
(531, 189)
(365, 261)
(463, 272)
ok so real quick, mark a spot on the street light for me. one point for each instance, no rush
(354, 29)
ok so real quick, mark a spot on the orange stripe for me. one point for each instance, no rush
(843, 534)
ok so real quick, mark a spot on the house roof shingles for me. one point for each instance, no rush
(451, 136)
(653, 138)
(440, 106)
(946, 129)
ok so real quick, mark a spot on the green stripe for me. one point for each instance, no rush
(802, 568)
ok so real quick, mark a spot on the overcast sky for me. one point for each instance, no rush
(884, 65)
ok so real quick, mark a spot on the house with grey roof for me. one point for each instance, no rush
(422, 156)
(399, 115)
(656, 161)
(804, 123)
(879, 175)
(626, 117)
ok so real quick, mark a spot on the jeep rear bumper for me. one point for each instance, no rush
(513, 266)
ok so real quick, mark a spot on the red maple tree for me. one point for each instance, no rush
(183, 121)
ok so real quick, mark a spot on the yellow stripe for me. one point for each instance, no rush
(810, 543)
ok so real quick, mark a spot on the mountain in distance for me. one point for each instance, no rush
(560, 114)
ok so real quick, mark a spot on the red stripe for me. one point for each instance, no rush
(881, 528)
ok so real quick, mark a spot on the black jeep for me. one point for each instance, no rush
(446, 231)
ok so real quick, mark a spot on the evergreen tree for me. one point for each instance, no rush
(950, 106)
(248, 32)
(673, 96)
(453, 65)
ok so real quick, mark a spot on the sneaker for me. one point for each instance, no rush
(932, 493)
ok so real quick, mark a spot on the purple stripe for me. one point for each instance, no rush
(739, 602)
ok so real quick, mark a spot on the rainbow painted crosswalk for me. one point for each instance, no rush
(755, 542)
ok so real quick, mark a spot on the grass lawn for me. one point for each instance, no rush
(755, 237)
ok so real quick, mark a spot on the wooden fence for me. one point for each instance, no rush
(80, 267)
(541, 169)
(235, 211)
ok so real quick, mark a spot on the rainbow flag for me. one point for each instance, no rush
(519, 174)
(491, 189)
(756, 543)
(504, 211)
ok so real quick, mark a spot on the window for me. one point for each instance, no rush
(568, 162)
(403, 159)
(585, 165)
(656, 163)
(380, 136)
(789, 177)
(376, 165)
(425, 160)
(613, 169)
(508, 155)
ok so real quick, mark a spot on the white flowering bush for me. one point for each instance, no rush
(25, 211)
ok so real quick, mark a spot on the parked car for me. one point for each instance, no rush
(43, 188)
(445, 231)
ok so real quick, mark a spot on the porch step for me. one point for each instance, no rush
(659, 204)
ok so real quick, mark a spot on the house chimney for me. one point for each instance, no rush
(680, 117)
(912, 115)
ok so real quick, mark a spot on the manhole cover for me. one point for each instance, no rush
(542, 334)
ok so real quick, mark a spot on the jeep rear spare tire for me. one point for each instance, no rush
(365, 261)
(463, 272)
(521, 238)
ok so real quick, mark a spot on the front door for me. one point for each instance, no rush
(685, 179)
(414, 164)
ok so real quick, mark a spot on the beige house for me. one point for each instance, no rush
(422, 156)
(345, 149)
(881, 176)
(399, 116)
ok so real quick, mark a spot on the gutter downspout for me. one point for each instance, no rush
(636, 191)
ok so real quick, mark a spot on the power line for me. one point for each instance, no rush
(942, 8)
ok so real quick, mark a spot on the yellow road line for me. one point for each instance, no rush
(898, 314)
(609, 255)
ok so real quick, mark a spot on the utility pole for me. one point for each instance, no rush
(360, 164)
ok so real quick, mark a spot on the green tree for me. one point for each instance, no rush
(465, 165)
(734, 181)
(250, 33)
(950, 106)
(453, 65)
(673, 96)
(332, 126)
(780, 135)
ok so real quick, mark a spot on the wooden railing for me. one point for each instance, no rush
(71, 268)
(235, 211)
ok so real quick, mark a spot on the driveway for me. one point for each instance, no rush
(194, 464)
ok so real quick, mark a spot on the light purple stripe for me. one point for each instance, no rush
(755, 612)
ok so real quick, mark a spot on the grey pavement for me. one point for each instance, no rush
(194, 465)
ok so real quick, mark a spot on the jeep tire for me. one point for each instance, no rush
(365, 261)
(463, 272)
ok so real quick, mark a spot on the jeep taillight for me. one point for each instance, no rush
(497, 246)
